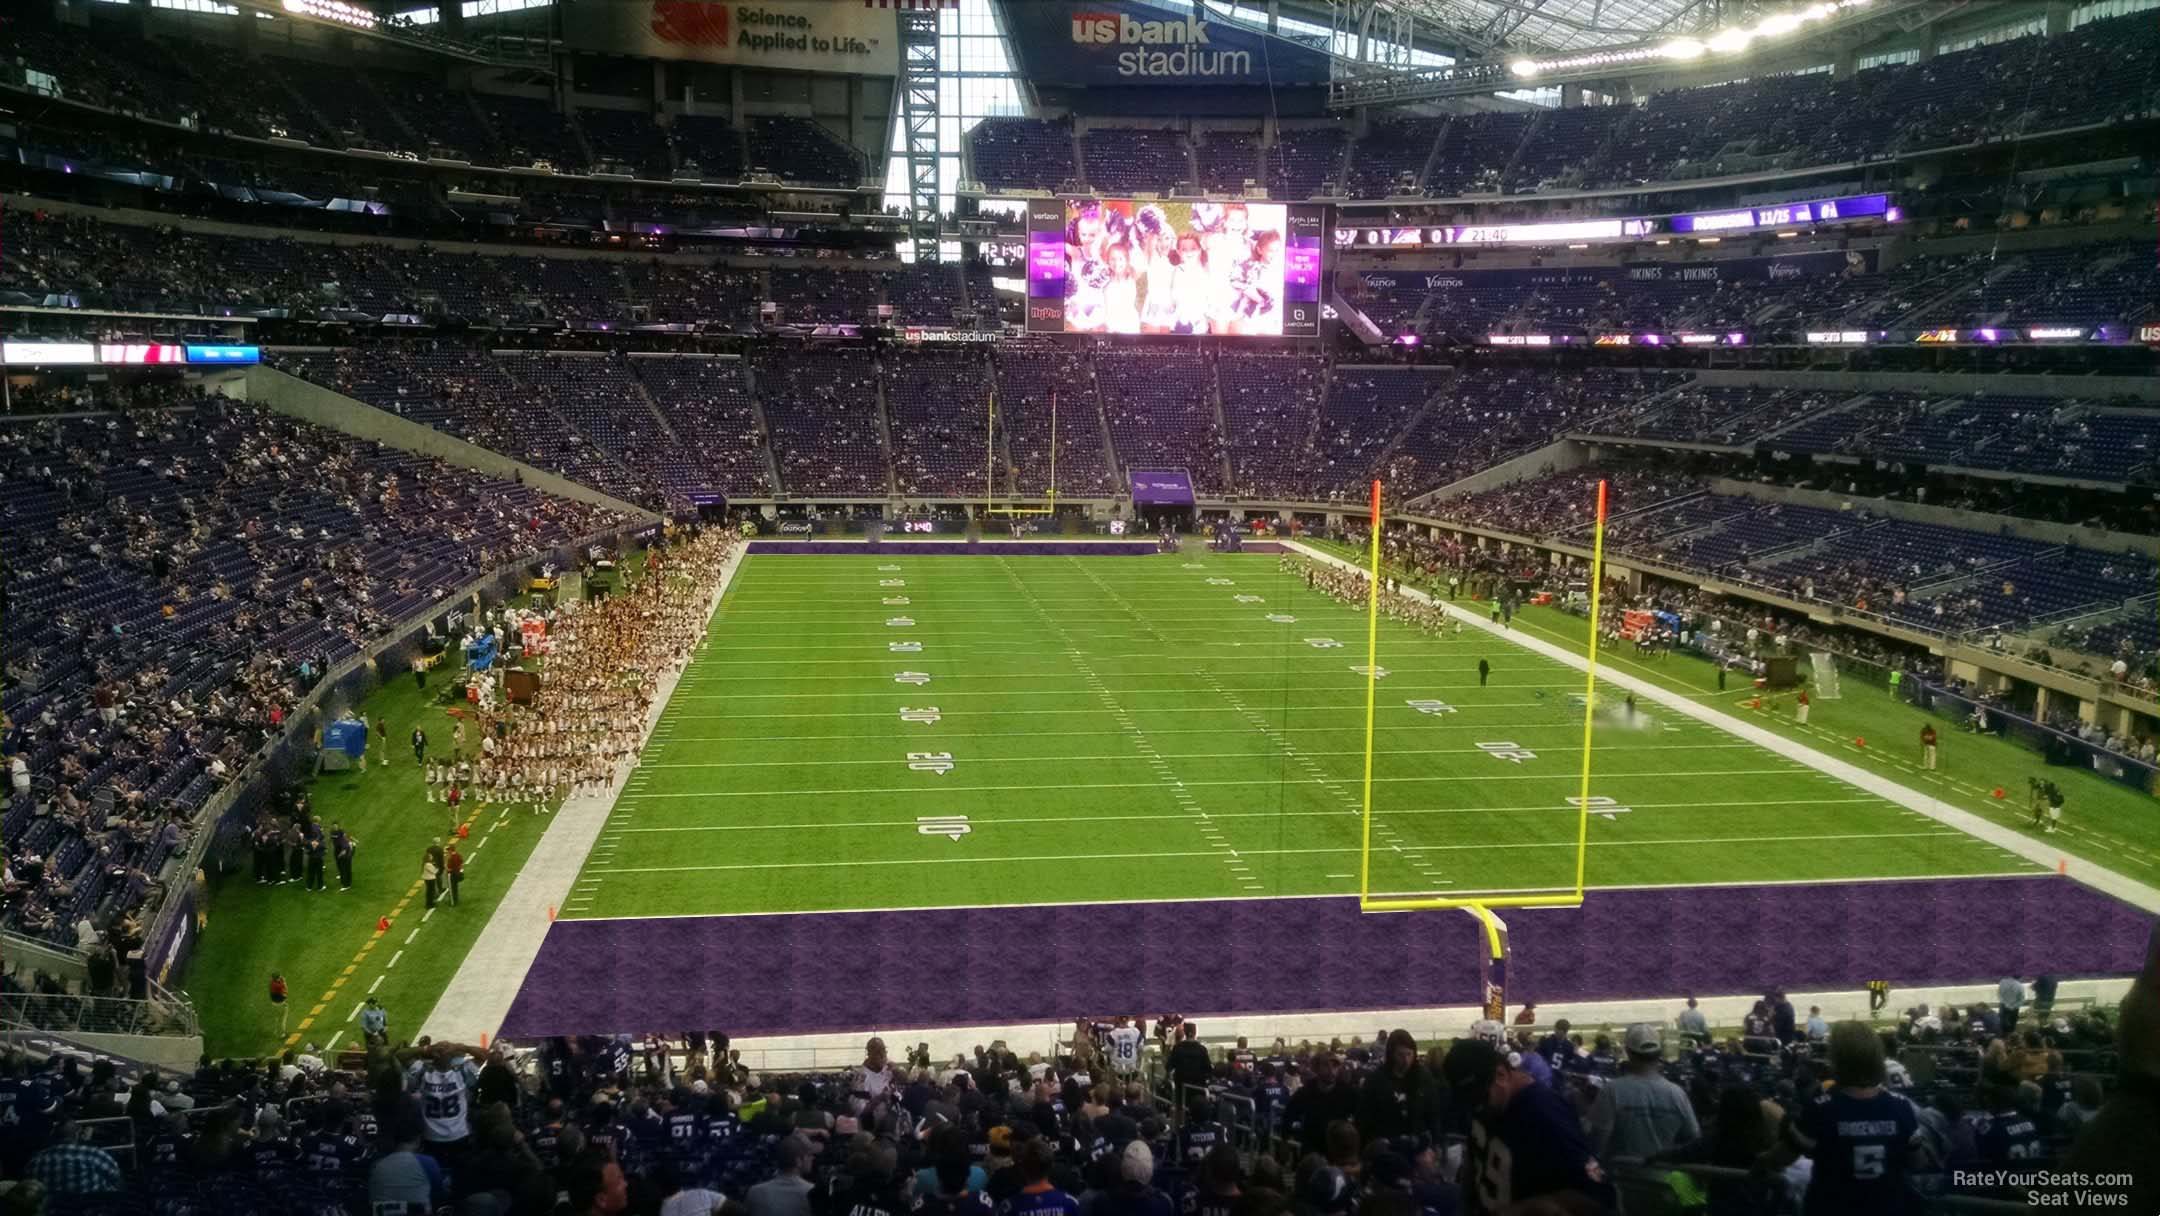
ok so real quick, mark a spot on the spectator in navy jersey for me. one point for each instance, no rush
(1135, 1193)
(1859, 1135)
(1526, 1142)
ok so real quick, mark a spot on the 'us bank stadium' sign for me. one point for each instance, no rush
(1121, 42)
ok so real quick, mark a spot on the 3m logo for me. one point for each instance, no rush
(690, 22)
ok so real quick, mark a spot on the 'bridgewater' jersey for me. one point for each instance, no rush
(1861, 1149)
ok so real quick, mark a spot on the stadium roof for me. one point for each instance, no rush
(1570, 25)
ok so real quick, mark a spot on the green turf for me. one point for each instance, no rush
(2105, 822)
(1126, 728)
(314, 937)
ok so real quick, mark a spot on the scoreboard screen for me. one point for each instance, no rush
(1127, 266)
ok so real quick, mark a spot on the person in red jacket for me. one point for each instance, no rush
(277, 999)
(454, 865)
(1927, 746)
(1802, 712)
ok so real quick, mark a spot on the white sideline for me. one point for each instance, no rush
(783, 1053)
(480, 994)
(2107, 881)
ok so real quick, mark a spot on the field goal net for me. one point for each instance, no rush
(1826, 675)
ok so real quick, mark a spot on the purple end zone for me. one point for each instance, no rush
(847, 971)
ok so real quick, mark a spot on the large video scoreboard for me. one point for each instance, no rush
(1174, 266)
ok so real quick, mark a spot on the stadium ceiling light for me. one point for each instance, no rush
(1523, 67)
(1725, 42)
(334, 10)
(1682, 48)
(1783, 23)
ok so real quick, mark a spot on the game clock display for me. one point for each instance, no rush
(1125, 266)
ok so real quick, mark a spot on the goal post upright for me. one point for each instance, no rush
(1589, 713)
(1372, 684)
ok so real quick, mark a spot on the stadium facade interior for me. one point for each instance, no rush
(870, 506)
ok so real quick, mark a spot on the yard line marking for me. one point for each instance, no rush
(1186, 800)
(415, 933)
(332, 1044)
(1432, 848)
(393, 960)
(357, 1007)
(425, 917)
(797, 762)
(1129, 785)
(377, 984)
(1090, 713)
(1044, 692)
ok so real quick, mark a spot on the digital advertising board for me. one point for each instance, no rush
(1123, 266)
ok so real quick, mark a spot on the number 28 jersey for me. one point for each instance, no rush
(443, 1101)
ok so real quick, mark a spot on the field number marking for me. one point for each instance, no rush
(939, 763)
(1323, 643)
(917, 678)
(952, 827)
(904, 647)
(926, 715)
(896, 601)
(1597, 805)
(1513, 753)
(1377, 673)
(1431, 707)
(899, 622)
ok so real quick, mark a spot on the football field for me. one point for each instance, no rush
(896, 731)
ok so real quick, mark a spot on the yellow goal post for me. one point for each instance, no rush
(1479, 905)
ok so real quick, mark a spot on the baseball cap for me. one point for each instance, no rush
(1642, 1040)
(1327, 1190)
(1469, 1069)
(1137, 1162)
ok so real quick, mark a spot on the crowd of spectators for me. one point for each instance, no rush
(1582, 1117)
(2100, 72)
(181, 568)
